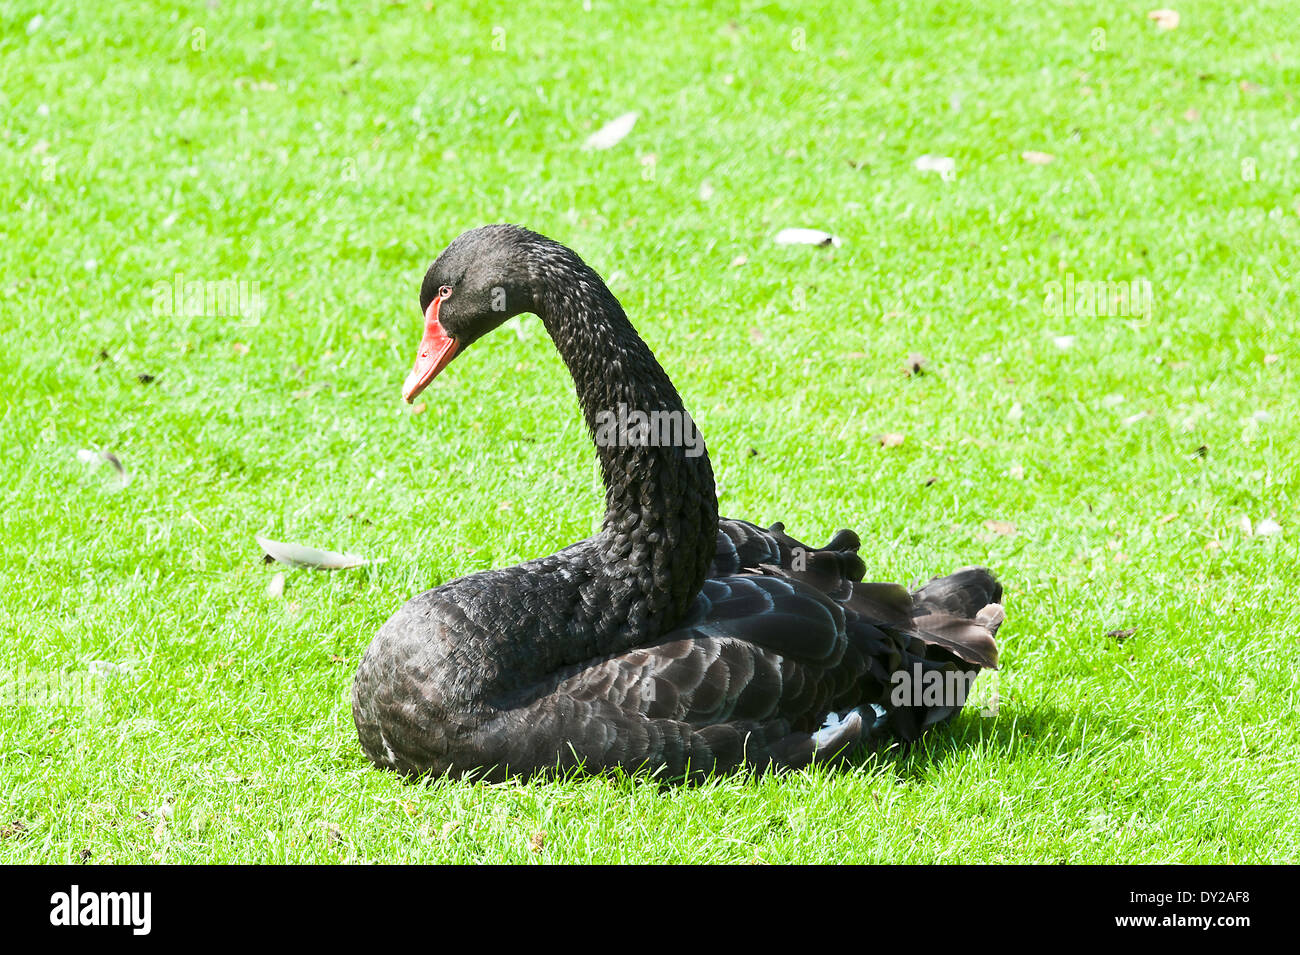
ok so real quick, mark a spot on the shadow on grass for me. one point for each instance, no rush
(1016, 730)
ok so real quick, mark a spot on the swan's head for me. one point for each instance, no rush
(483, 278)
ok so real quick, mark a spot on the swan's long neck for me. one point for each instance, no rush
(661, 509)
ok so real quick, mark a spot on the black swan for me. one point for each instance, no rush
(672, 640)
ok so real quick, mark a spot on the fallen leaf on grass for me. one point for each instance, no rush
(1005, 528)
(1165, 19)
(536, 841)
(1119, 636)
(1265, 528)
(890, 439)
(86, 456)
(612, 133)
(1036, 158)
(806, 237)
(296, 555)
(11, 830)
(945, 166)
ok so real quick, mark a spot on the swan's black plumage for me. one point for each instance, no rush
(671, 640)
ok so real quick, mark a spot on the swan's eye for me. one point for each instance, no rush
(444, 292)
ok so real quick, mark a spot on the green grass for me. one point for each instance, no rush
(328, 154)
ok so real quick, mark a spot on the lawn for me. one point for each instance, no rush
(1129, 466)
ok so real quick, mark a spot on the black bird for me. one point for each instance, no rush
(672, 640)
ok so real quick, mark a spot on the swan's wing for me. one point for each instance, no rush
(959, 613)
(745, 547)
(767, 669)
(754, 648)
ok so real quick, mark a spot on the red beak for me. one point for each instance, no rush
(437, 349)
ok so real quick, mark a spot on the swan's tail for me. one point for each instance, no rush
(955, 620)
(919, 652)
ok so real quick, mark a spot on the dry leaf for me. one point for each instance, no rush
(890, 439)
(1164, 19)
(945, 166)
(11, 830)
(1036, 158)
(296, 555)
(612, 133)
(86, 456)
(536, 841)
(1272, 359)
(240, 348)
(1005, 528)
(738, 261)
(806, 237)
(1119, 636)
